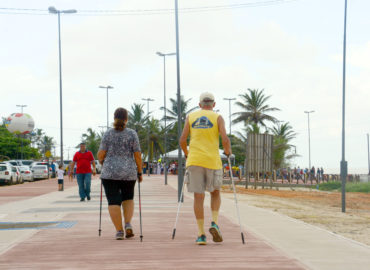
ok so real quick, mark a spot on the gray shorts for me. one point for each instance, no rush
(199, 179)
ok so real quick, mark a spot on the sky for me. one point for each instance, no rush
(291, 49)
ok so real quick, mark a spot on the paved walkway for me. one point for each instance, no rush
(79, 246)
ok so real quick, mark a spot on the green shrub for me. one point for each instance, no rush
(358, 187)
(329, 186)
(350, 187)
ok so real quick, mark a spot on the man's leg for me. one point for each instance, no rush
(215, 205)
(81, 188)
(199, 212)
(87, 185)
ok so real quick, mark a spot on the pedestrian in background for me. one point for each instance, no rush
(83, 159)
(60, 173)
(120, 155)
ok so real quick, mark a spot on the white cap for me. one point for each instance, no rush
(206, 96)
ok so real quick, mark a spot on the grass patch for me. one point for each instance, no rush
(330, 186)
(358, 187)
(350, 187)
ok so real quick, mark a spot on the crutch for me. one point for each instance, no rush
(178, 209)
(236, 200)
(141, 227)
(101, 199)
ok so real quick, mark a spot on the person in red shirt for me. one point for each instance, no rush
(83, 159)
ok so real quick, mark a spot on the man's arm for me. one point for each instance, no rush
(225, 140)
(184, 137)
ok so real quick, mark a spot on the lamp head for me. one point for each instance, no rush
(53, 10)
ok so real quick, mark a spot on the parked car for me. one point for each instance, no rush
(26, 162)
(18, 173)
(40, 171)
(15, 162)
(7, 174)
(26, 173)
(36, 163)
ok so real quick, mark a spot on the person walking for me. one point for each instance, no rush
(120, 156)
(84, 159)
(60, 174)
(203, 161)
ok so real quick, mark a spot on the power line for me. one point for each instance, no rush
(26, 11)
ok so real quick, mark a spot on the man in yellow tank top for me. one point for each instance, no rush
(203, 161)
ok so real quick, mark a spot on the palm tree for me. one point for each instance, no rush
(137, 117)
(137, 120)
(172, 114)
(255, 108)
(171, 118)
(92, 140)
(283, 134)
(155, 139)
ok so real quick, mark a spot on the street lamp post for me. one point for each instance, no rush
(230, 99)
(53, 10)
(368, 153)
(147, 115)
(309, 139)
(165, 110)
(180, 175)
(343, 163)
(107, 87)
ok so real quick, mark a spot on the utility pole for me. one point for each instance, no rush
(107, 87)
(53, 10)
(343, 163)
(147, 115)
(180, 176)
(230, 99)
(165, 111)
(368, 153)
(309, 139)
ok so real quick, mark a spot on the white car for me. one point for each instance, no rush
(18, 173)
(7, 174)
(40, 172)
(26, 173)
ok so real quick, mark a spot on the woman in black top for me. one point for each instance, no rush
(120, 155)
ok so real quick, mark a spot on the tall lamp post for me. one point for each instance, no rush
(368, 153)
(309, 139)
(343, 163)
(53, 10)
(230, 99)
(107, 87)
(180, 176)
(165, 110)
(147, 115)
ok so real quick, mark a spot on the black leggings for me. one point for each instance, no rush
(118, 191)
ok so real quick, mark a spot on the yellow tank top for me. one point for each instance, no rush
(204, 140)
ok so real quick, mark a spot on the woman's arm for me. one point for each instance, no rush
(137, 156)
(101, 156)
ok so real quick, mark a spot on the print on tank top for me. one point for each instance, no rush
(202, 122)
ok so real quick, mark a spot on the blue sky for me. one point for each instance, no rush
(292, 50)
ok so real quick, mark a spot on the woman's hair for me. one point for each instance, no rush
(60, 166)
(120, 116)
